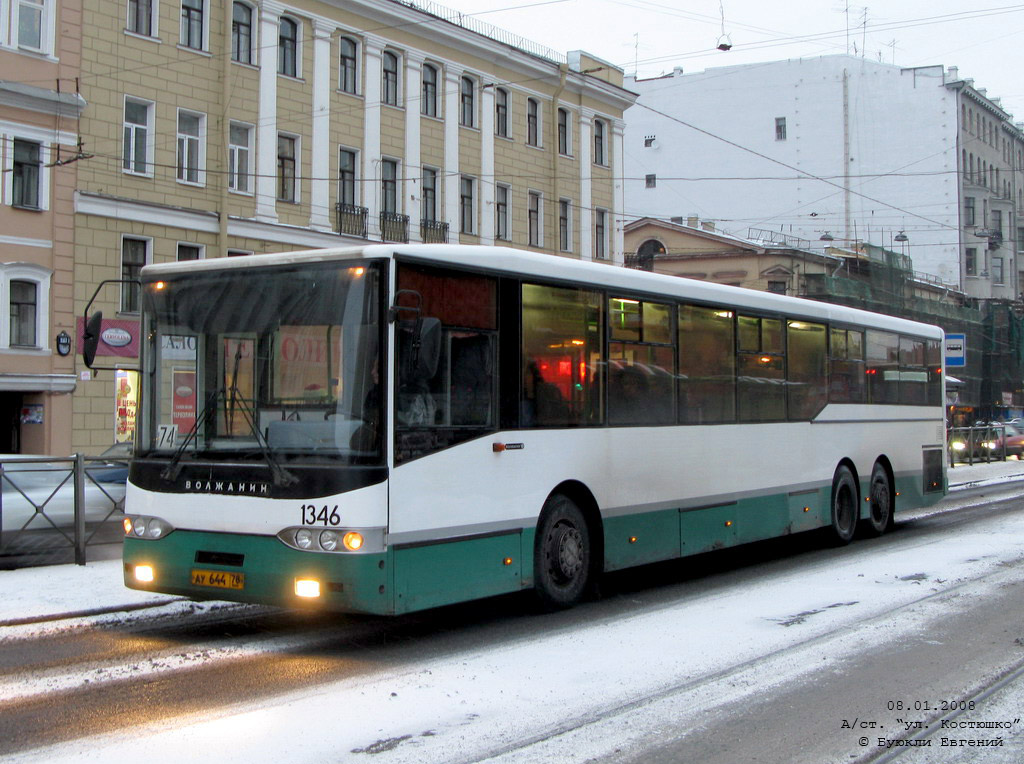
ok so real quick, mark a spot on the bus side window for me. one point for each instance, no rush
(806, 380)
(707, 365)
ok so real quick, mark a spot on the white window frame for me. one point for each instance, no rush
(154, 19)
(254, 25)
(398, 78)
(12, 15)
(568, 132)
(539, 243)
(434, 103)
(297, 179)
(41, 277)
(234, 152)
(298, 46)
(507, 189)
(180, 244)
(10, 133)
(146, 260)
(540, 123)
(40, 202)
(204, 32)
(468, 118)
(434, 173)
(150, 142)
(357, 67)
(601, 158)
(472, 228)
(602, 239)
(356, 185)
(498, 131)
(565, 245)
(194, 147)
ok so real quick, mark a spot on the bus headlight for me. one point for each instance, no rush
(303, 538)
(334, 540)
(329, 541)
(143, 527)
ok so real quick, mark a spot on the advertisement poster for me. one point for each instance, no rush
(183, 412)
(126, 398)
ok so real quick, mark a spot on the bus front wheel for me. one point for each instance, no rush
(844, 505)
(561, 557)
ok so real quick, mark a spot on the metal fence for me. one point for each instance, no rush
(980, 443)
(53, 509)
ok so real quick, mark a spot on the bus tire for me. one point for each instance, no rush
(844, 506)
(880, 503)
(562, 554)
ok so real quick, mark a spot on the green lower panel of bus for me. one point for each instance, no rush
(259, 569)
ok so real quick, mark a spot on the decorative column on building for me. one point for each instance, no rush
(486, 184)
(371, 135)
(266, 132)
(452, 85)
(320, 205)
(586, 195)
(618, 221)
(413, 186)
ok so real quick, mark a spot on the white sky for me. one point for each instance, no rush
(653, 36)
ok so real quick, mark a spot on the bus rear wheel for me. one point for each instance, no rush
(561, 555)
(880, 503)
(844, 506)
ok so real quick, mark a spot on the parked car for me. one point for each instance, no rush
(39, 491)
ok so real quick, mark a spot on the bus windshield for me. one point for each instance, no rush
(269, 363)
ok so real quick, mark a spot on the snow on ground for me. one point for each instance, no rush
(485, 702)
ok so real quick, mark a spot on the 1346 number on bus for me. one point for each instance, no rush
(320, 515)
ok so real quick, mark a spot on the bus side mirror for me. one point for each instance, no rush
(91, 337)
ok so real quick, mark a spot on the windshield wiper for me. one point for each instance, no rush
(173, 468)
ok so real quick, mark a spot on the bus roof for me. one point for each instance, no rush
(521, 263)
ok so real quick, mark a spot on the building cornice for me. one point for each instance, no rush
(18, 95)
(47, 383)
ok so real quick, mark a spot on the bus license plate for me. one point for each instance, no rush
(218, 578)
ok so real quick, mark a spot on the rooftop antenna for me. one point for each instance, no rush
(724, 41)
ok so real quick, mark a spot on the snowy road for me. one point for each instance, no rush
(786, 652)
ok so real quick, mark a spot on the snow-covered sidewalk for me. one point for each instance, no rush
(57, 592)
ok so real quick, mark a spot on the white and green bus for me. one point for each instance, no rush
(395, 427)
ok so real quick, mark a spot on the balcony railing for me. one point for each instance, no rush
(351, 220)
(434, 231)
(394, 227)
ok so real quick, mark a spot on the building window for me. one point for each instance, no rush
(997, 223)
(241, 33)
(190, 128)
(564, 225)
(348, 61)
(969, 214)
(26, 178)
(780, 128)
(240, 158)
(140, 17)
(501, 231)
(30, 24)
(997, 270)
(649, 141)
(288, 48)
(599, 149)
(389, 186)
(133, 257)
(467, 207)
(564, 146)
(651, 181)
(532, 122)
(600, 234)
(467, 103)
(192, 20)
(533, 211)
(389, 83)
(971, 261)
(777, 287)
(428, 91)
(428, 201)
(286, 151)
(24, 310)
(138, 117)
(347, 177)
(189, 252)
(501, 112)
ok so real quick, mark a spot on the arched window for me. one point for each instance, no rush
(241, 33)
(647, 253)
(501, 112)
(428, 94)
(564, 143)
(348, 60)
(287, 47)
(467, 103)
(389, 75)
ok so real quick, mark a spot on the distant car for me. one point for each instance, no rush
(38, 492)
(1012, 437)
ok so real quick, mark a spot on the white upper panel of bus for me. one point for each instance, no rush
(525, 264)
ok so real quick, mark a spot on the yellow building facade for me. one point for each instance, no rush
(245, 128)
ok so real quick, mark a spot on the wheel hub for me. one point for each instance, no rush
(569, 557)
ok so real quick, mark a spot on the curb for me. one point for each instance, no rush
(87, 613)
